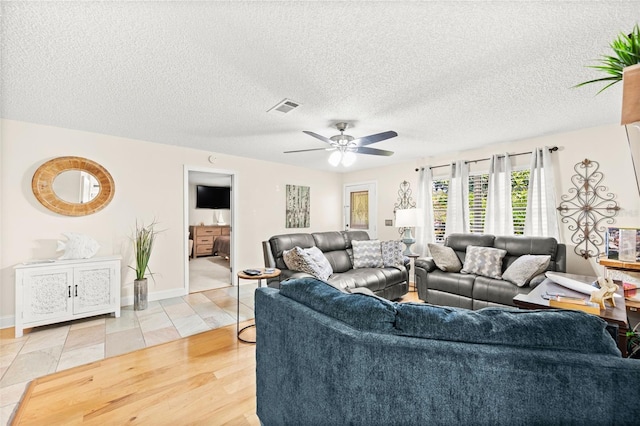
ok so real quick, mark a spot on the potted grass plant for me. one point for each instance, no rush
(142, 246)
(623, 65)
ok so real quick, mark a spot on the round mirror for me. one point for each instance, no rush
(73, 186)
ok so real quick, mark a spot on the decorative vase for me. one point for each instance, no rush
(140, 294)
(631, 94)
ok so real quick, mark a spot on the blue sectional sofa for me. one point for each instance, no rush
(325, 357)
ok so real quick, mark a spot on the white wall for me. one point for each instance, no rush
(607, 145)
(148, 185)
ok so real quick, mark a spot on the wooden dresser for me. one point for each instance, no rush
(204, 236)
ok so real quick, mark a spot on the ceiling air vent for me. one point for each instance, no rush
(285, 106)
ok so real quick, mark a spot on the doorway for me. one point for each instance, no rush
(208, 222)
(360, 207)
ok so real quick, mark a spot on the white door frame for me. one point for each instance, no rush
(372, 186)
(185, 216)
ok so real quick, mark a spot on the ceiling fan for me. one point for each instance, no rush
(345, 147)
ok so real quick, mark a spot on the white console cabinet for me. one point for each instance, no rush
(65, 290)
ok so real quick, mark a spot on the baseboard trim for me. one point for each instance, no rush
(159, 295)
(7, 321)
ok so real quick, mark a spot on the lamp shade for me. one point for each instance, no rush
(334, 158)
(348, 159)
(407, 218)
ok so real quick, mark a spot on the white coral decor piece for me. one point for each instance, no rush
(77, 246)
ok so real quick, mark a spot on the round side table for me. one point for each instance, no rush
(244, 276)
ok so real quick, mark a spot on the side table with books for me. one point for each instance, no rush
(538, 299)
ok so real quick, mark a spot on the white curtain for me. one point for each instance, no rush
(424, 229)
(458, 199)
(499, 214)
(541, 217)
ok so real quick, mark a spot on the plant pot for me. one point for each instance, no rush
(631, 94)
(140, 294)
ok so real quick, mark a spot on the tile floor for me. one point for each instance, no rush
(58, 347)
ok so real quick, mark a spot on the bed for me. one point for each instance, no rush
(221, 246)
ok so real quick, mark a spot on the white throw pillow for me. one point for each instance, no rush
(310, 260)
(367, 254)
(524, 268)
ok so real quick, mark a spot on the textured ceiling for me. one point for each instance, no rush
(447, 76)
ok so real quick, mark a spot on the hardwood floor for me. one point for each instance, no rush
(207, 378)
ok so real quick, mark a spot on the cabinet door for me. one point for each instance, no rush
(93, 288)
(46, 294)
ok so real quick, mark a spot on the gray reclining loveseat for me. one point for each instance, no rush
(472, 291)
(390, 283)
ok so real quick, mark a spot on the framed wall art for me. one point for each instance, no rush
(298, 206)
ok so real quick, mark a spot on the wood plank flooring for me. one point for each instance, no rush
(207, 378)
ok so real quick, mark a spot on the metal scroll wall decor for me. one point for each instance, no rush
(404, 200)
(587, 208)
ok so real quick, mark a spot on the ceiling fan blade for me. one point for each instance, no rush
(368, 140)
(314, 149)
(372, 151)
(317, 136)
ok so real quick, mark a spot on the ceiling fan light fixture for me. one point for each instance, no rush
(335, 157)
(348, 159)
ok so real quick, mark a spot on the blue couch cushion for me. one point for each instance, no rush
(361, 311)
(542, 329)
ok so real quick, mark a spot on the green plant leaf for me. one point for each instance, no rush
(627, 51)
(144, 238)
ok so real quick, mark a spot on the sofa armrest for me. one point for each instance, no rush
(269, 260)
(286, 274)
(426, 263)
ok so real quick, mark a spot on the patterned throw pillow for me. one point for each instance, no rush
(310, 260)
(525, 268)
(367, 254)
(485, 261)
(445, 258)
(392, 256)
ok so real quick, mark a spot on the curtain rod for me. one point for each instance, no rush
(552, 149)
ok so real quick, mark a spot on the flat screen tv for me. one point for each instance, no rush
(213, 197)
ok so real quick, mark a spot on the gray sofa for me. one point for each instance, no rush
(473, 291)
(390, 283)
(324, 357)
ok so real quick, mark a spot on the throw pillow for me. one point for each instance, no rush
(485, 261)
(445, 258)
(392, 256)
(310, 260)
(525, 268)
(367, 254)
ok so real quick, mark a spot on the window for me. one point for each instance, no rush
(478, 187)
(519, 192)
(439, 197)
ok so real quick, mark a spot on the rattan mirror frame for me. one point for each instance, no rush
(42, 186)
